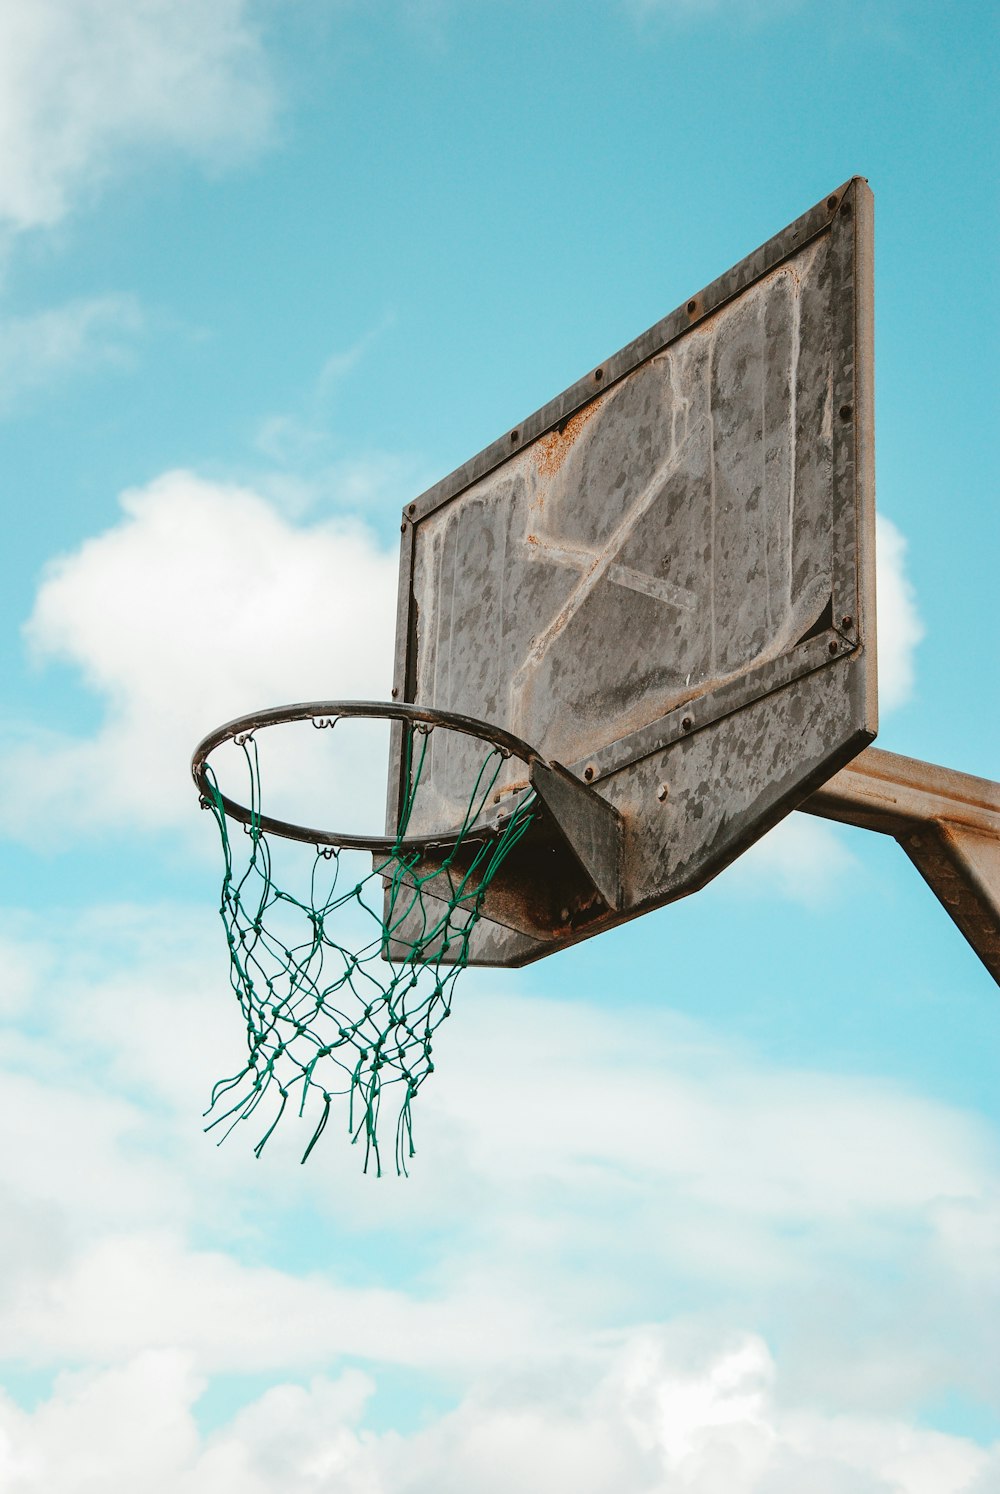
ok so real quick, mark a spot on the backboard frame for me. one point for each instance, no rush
(846, 215)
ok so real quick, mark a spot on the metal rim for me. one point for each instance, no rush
(324, 710)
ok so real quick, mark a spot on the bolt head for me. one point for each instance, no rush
(687, 723)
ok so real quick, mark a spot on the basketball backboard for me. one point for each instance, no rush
(664, 582)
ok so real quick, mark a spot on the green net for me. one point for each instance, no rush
(344, 982)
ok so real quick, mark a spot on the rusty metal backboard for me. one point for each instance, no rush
(663, 580)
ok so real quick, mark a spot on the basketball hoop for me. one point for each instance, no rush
(342, 987)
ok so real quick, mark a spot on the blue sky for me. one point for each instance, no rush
(711, 1203)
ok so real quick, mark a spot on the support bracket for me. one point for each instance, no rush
(948, 824)
(591, 827)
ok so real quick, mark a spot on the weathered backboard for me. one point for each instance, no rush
(664, 581)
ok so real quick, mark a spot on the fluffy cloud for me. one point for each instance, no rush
(85, 83)
(34, 350)
(201, 604)
(656, 1421)
(641, 1418)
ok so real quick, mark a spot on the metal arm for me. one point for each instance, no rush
(948, 824)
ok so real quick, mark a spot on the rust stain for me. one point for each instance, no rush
(551, 451)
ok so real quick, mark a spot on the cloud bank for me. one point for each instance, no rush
(578, 1273)
(644, 1422)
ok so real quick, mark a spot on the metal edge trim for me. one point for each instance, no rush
(864, 278)
(703, 710)
(400, 682)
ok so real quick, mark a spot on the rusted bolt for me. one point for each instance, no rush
(411, 508)
(692, 307)
(515, 436)
(588, 773)
(831, 202)
(687, 723)
(832, 646)
(598, 373)
(402, 527)
(662, 791)
(847, 621)
(846, 411)
(395, 691)
(564, 914)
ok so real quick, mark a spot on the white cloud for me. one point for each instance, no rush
(731, 1132)
(110, 1431)
(82, 334)
(653, 1422)
(899, 626)
(202, 603)
(642, 1418)
(87, 83)
(134, 1291)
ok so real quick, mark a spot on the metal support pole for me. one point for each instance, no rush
(948, 824)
